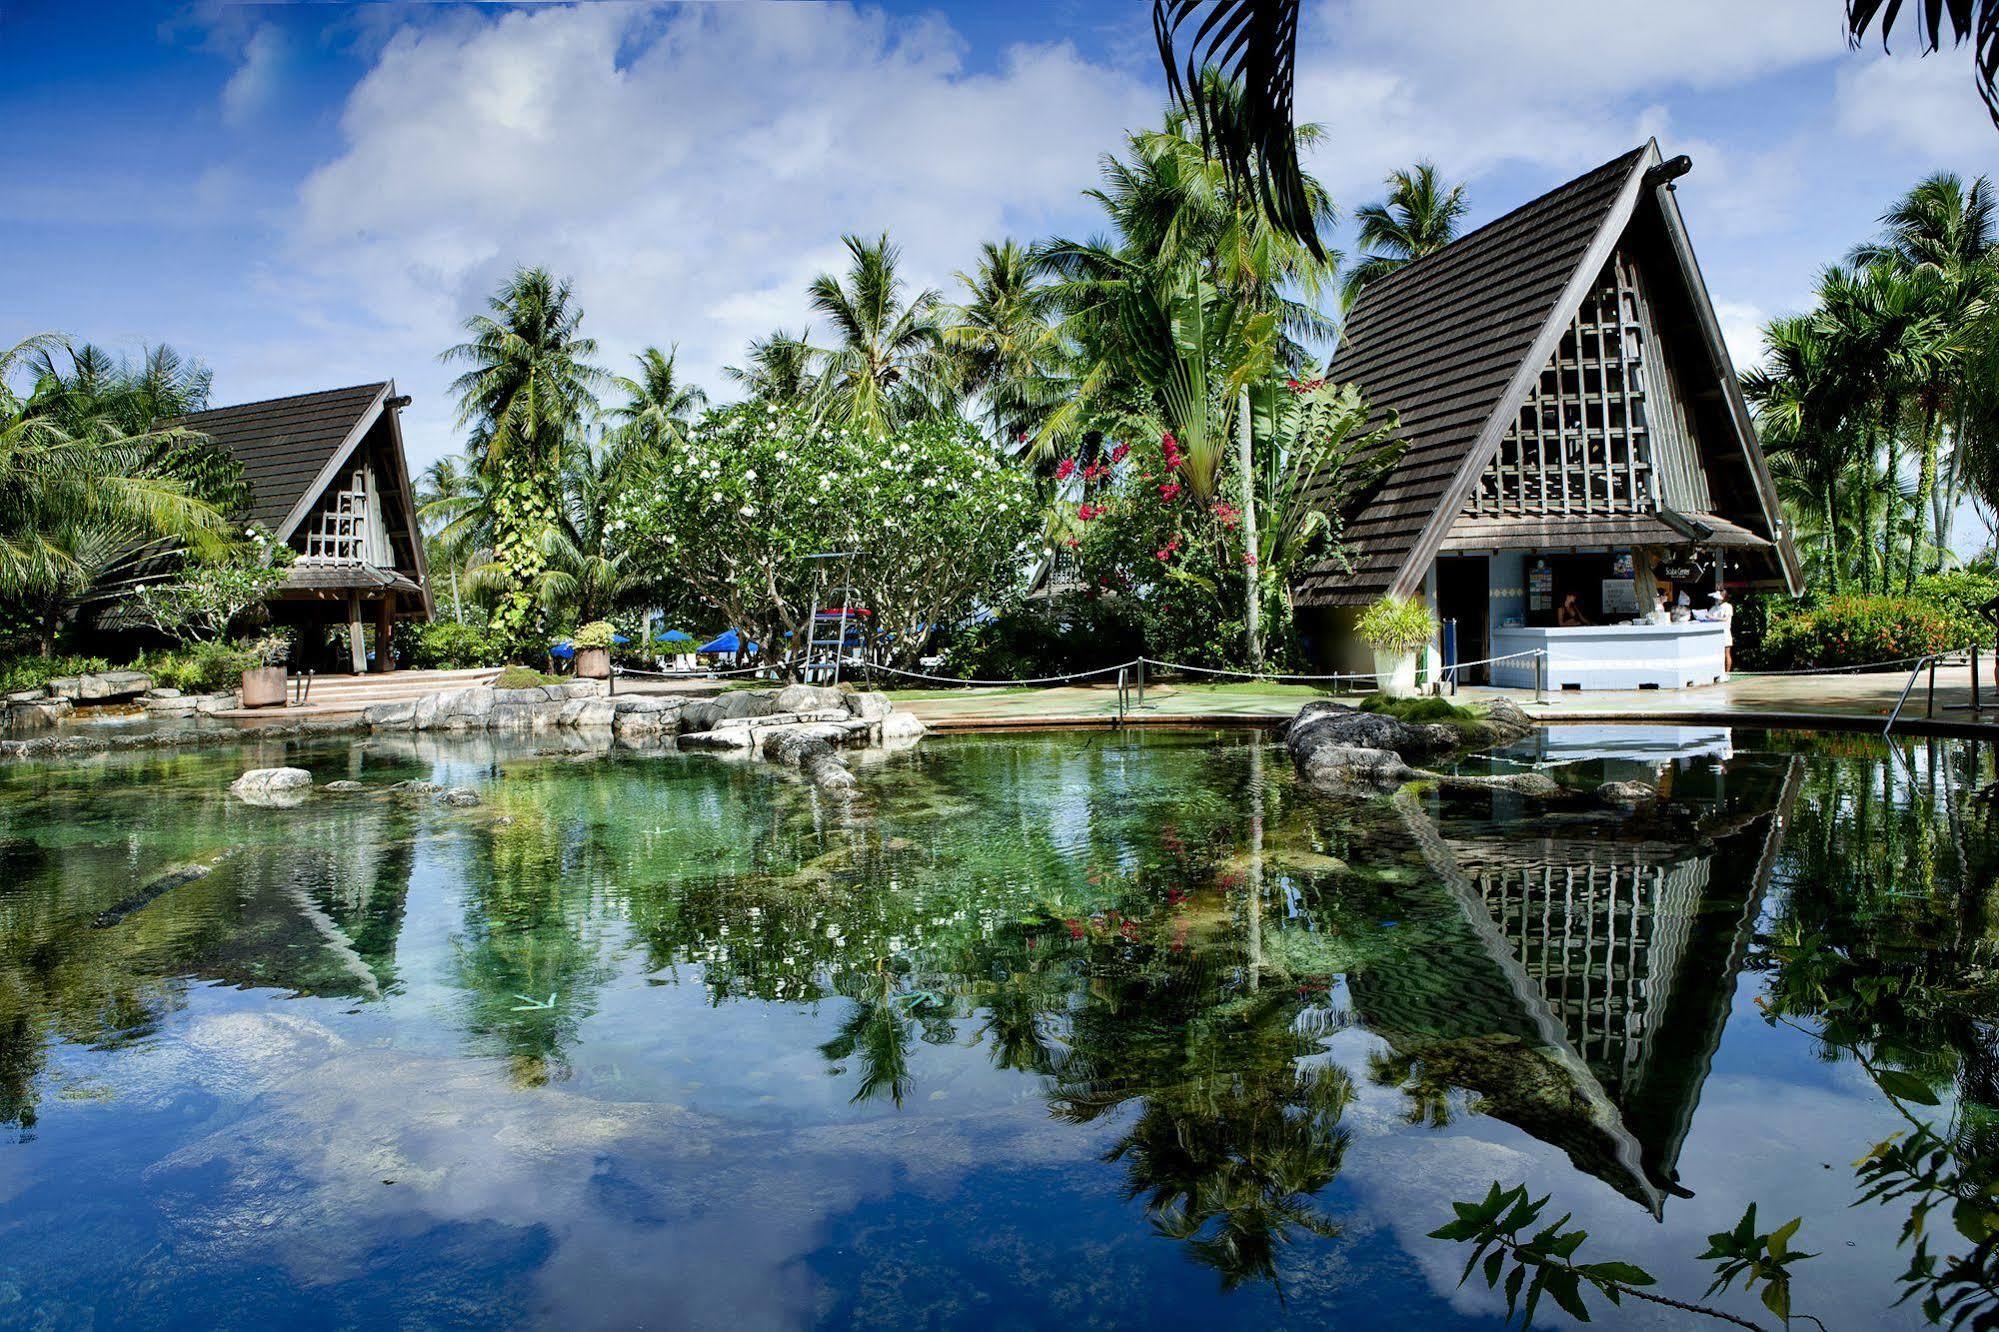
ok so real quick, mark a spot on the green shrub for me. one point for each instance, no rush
(1394, 623)
(445, 646)
(1418, 709)
(200, 668)
(1073, 632)
(25, 673)
(596, 634)
(524, 677)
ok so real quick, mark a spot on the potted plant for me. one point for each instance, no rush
(1396, 629)
(264, 676)
(593, 650)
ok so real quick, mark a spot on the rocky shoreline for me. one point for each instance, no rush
(1348, 753)
(60, 697)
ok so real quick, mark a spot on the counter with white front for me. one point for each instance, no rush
(1612, 656)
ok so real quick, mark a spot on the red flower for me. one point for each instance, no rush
(1249, 558)
(1087, 511)
(1065, 469)
(1118, 453)
(1073, 543)
(1170, 491)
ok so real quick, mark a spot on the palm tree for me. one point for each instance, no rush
(779, 368)
(79, 493)
(1420, 216)
(526, 394)
(658, 410)
(1003, 341)
(886, 366)
(587, 575)
(452, 505)
(1940, 235)
(1807, 401)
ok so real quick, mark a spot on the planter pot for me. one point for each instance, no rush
(593, 663)
(264, 687)
(1395, 671)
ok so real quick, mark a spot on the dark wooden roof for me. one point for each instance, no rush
(285, 443)
(1473, 533)
(1441, 341)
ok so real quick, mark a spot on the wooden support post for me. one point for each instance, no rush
(357, 641)
(385, 620)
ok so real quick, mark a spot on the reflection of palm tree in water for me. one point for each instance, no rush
(887, 1016)
(1234, 1136)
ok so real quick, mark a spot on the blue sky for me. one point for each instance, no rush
(310, 195)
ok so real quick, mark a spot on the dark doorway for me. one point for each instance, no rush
(1463, 589)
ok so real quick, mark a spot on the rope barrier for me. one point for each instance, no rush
(1846, 670)
(1027, 680)
(1277, 678)
(694, 675)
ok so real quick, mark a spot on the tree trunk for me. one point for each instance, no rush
(1831, 540)
(1926, 483)
(1252, 576)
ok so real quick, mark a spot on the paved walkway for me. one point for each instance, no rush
(1859, 701)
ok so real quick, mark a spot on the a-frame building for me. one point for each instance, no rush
(328, 476)
(1570, 416)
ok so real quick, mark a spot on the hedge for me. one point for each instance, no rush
(1940, 615)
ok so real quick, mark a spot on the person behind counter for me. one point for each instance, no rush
(1570, 615)
(1723, 613)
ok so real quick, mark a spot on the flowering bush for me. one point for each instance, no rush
(210, 595)
(1854, 631)
(934, 522)
(596, 634)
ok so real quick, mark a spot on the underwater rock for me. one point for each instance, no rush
(460, 796)
(158, 887)
(1344, 770)
(416, 787)
(275, 788)
(1626, 793)
(346, 785)
(809, 748)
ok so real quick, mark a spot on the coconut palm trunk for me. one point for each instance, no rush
(1252, 576)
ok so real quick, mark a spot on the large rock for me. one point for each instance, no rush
(902, 726)
(534, 716)
(278, 788)
(471, 706)
(42, 712)
(458, 795)
(587, 713)
(868, 706)
(1346, 770)
(809, 698)
(736, 737)
(112, 686)
(398, 716)
(426, 708)
(809, 748)
(704, 714)
(27, 696)
(65, 686)
(1322, 722)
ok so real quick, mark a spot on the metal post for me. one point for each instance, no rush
(1540, 675)
(1141, 682)
(1120, 695)
(1930, 704)
(1975, 705)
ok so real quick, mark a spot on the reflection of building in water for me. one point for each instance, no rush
(1613, 960)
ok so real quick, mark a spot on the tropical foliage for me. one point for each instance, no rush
(1876, 406)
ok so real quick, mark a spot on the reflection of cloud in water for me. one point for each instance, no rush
(649, 1213)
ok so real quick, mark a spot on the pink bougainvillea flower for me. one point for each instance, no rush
(1118, 453)
(1170, 491)
(1065, 469)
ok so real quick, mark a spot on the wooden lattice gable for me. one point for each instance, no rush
(1606, 429)
(1458, 346)
(329, 476)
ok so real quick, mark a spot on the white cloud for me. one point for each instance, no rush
(1742, 331)
(257, 80)
(1926, 105)
(1565, 84)
(690, 172)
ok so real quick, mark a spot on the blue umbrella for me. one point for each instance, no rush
(726, 641)
(674, 636)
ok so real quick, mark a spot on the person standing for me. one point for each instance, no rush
(1724, 613)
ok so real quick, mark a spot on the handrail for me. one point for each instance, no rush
(1929, 708)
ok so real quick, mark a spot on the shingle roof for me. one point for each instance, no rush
(1439, 341)
(284, 443)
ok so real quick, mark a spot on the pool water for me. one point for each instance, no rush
(1057, 1029)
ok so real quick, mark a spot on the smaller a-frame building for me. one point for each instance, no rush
(328, 477)
(1573, 425)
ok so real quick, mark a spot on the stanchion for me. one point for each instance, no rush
(1541, 676)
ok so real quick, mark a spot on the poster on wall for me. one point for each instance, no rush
(1620, 596)
(1623, 567)
(1540, 587)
